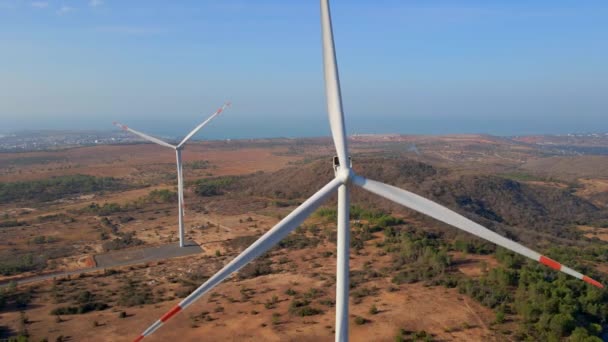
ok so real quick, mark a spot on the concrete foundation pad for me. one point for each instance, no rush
(146, 254)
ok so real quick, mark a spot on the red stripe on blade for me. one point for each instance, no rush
(139, 338)
(171, 313)
(550, 262)
(593, 282)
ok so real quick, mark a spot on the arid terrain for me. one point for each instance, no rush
(412, 277)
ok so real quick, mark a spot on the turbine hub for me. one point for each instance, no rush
(345, 174)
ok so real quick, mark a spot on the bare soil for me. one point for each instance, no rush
(215, 224)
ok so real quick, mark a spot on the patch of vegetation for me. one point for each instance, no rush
(213, 186)
(25, 161)
(55, 217)
(373, 310)
(41, 239)
(246, 294)
(313, 293)
(329, 213)
(361, 320)
(373, 217)
(549, 305)
(283, 204)
(302, 308)
(299, 240)
(198, 165)
(478, 207)
(84, 301)
(162, 196)
(359, 294)
(125, 240)
(261, 266)
(57, 187)
(499, 200)
(11, 296)
(15, 264)
(473, 246)
(239, 243)
(134, 293)
(523, 176)
(417, 255)
(271, 303)
(104, 210)
(406, 335)
(276, 318)
(12, 223)
(81, 309)
(552, 305)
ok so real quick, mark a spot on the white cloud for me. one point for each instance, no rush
(40, 4)
(65, 10)
(95, 3)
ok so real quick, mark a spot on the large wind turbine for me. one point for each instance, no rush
(345, 177)
(178, 154)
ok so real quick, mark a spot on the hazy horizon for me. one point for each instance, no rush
(226, 127)
(416, 67)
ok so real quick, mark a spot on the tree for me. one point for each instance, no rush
(561, 324)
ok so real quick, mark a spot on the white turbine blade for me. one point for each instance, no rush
(204, 123)
(332, 87)
(143, 135)
(263, 244)
(454, 219)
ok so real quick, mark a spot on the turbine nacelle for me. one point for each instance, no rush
(343, 174)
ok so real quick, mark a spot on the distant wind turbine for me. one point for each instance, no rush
(178, 152)
(345, 176)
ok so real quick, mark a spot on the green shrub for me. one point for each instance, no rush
(373, 310)
(276, 318)
(302, 308)
(360, 320)
(256, 269)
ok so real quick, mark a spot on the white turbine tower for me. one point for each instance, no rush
(344, 178)
(178, 153)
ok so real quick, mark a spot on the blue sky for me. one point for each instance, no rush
(415, 67)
